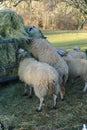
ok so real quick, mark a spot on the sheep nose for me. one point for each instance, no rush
(1, 126)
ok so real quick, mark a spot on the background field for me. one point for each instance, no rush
(20, 112)
(67, 39)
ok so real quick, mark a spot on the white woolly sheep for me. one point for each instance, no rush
(77, 67)
(77, 54)
(45, 52)
(77, 48)
(43, 78)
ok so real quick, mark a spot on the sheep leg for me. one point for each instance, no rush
(63, 89)
(25, 90)
(30, 91)
(85, 88)
(61, 95)
(54, 98)
(57, 90)
(40, 105)
(72, 81)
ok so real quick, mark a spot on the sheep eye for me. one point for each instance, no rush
(30, 29)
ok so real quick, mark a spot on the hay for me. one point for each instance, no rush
(11, 27)
(7, 54)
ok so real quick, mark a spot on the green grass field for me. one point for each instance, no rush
(67, 39)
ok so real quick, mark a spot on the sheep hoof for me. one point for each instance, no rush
(37, 110)
(84, 90)
(25, 94)
(62, 99)
(54, 107)
(30, 96)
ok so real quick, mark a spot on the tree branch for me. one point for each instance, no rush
(19, 1)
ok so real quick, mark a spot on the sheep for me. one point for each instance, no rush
(77, 67)
(76, 53)
(43, 51)
(43, 78)
(77, 48)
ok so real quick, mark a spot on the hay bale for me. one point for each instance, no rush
(11, 27)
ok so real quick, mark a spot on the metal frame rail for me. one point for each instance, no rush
(10, 67)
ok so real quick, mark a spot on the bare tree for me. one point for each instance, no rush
(51, 14)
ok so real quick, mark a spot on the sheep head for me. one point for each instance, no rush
(21, 54)
(34, 32)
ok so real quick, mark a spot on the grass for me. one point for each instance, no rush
(66, 39)
(20, 112)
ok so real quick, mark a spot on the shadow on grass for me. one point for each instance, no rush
(69, 45)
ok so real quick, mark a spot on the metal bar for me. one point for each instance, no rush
(14, 40)
(8, 41)
(8, 79)
(8, 67)
(3, 68)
